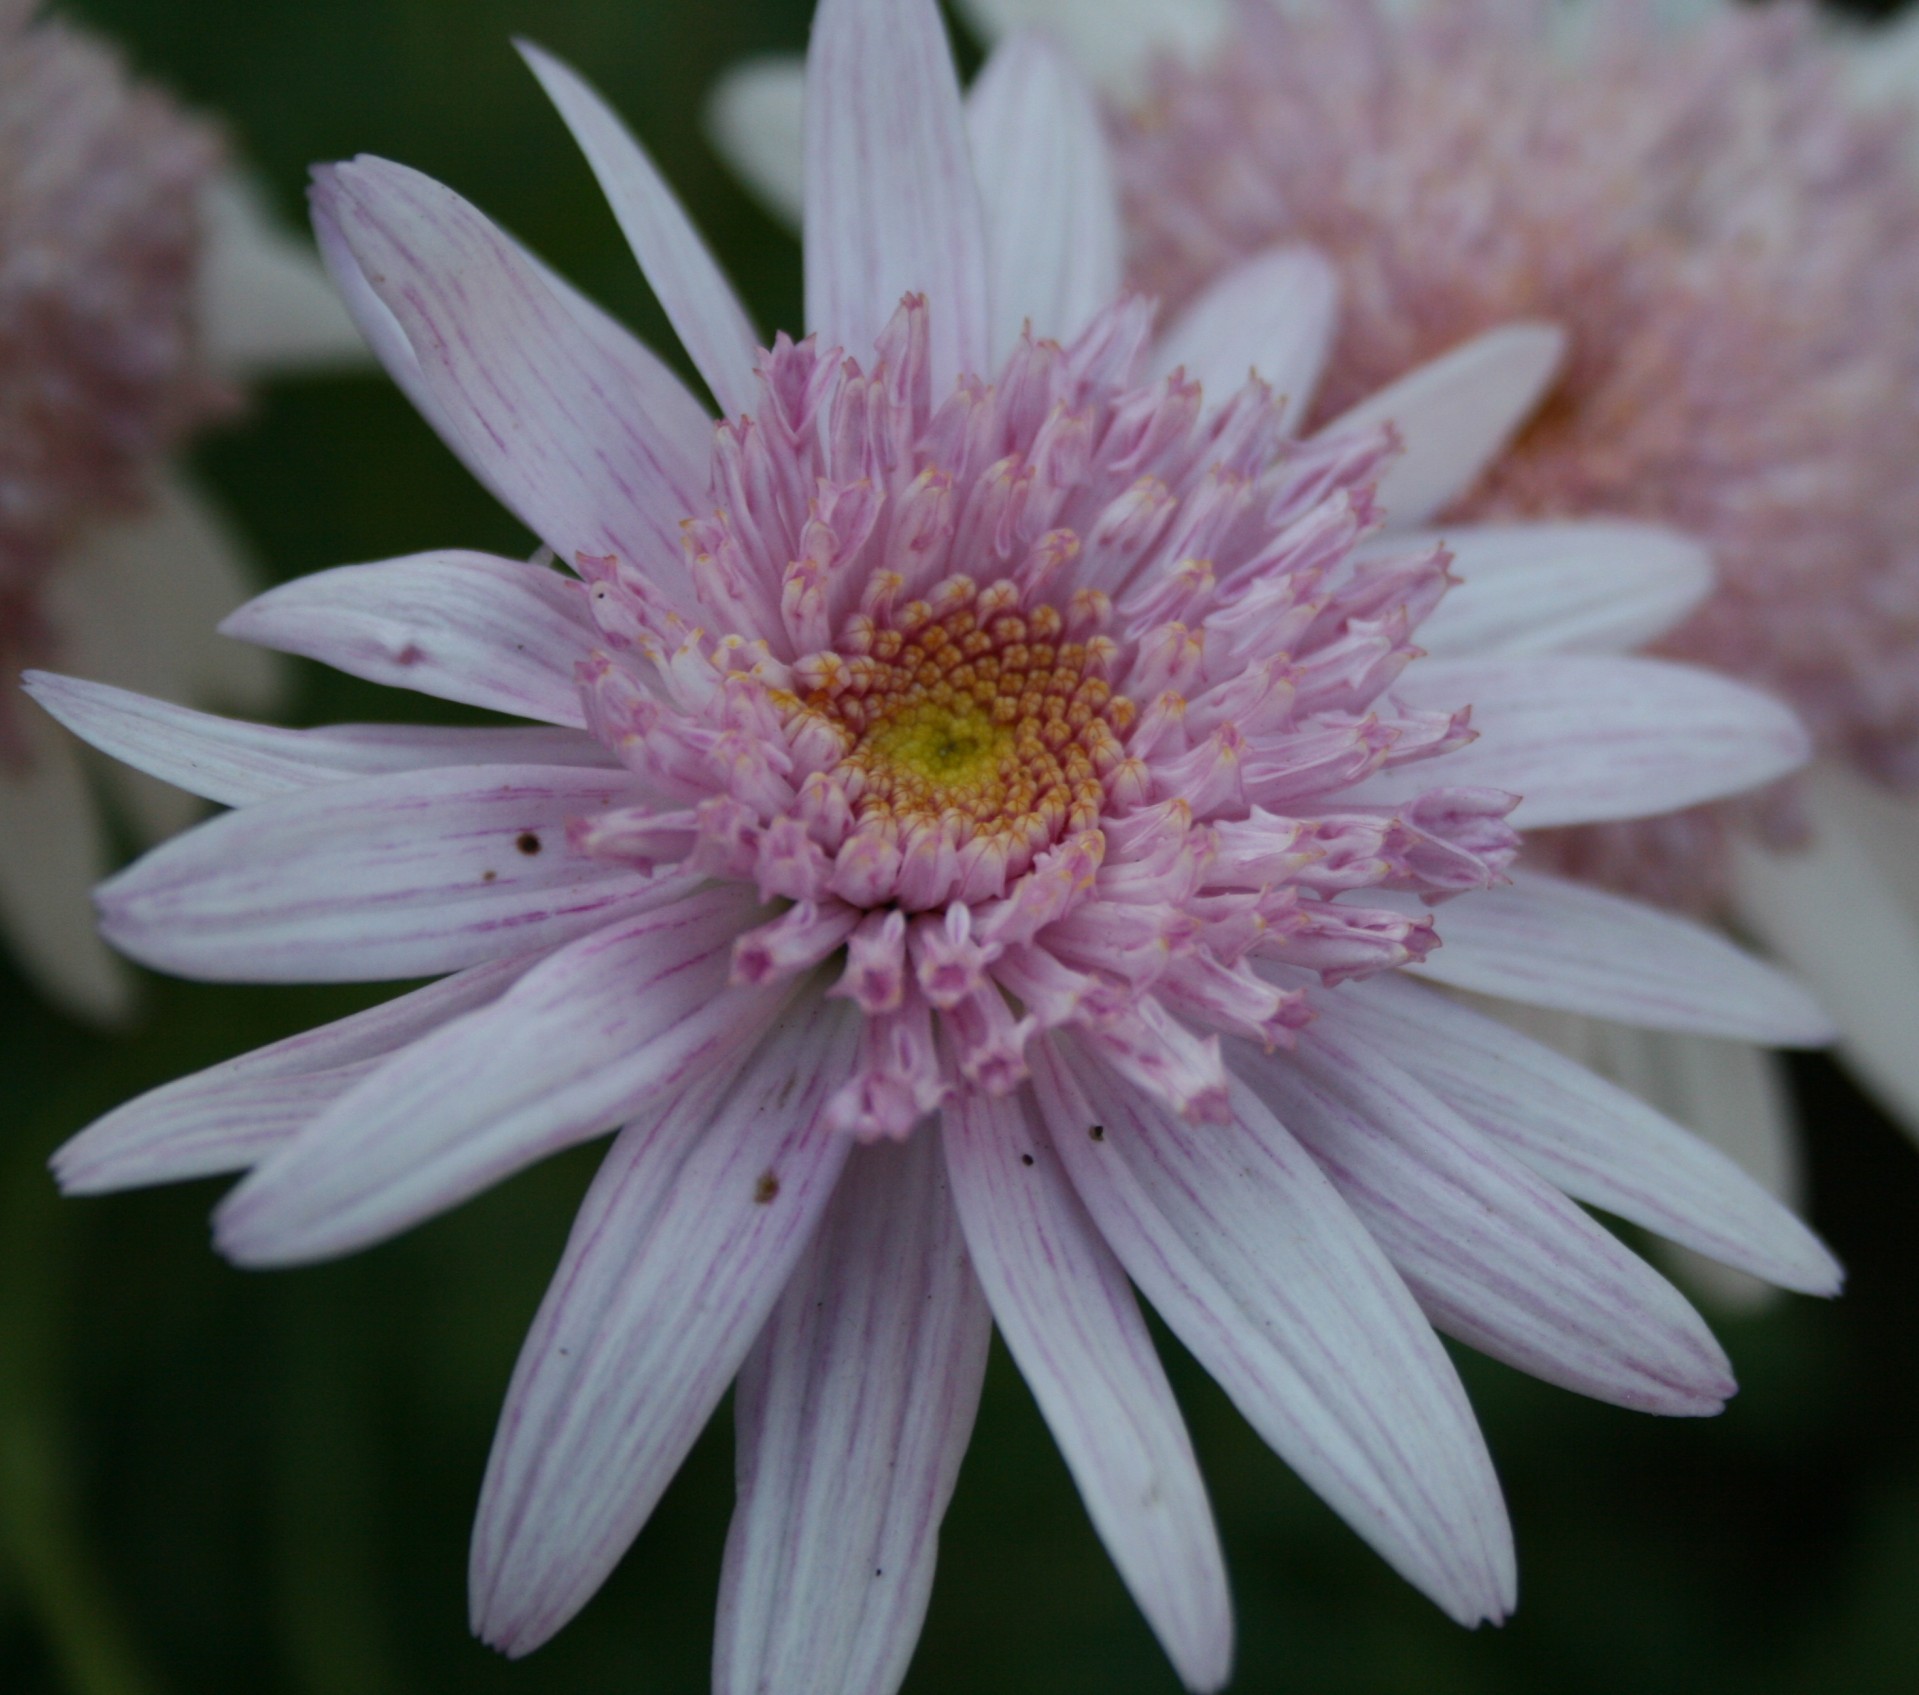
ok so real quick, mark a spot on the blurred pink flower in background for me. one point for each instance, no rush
(139, 283)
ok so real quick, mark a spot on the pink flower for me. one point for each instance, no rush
(983, 804)
(138, 280)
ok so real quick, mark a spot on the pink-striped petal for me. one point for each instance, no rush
(1456, 414)
(232, 1115)
(892, 206)
(488, 632)
(1071, 1322)
(1583, 738)
(1551, 942)
(1247, 1251)
(1582, 1134)
(587, 436)
(237, 763)
(698, 300)
(684, 1243)
(1273, 315)
(1599, 586)
(1495, 1256)
(1052, 210)
(404, 875)
(853, 1411)
(580, 1043)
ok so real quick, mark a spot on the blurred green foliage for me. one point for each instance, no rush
(223, 1483)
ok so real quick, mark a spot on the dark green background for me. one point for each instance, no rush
(214, 1481)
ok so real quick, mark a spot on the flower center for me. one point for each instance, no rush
(969, 713)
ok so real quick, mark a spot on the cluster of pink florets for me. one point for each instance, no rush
(1732, 245)
(1161, 598)
(100, 368)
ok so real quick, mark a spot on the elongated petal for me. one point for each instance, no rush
(1273, 314)
(682, 1247)
(700, 303)
(462, 626)
(1602, 586)
(1735, 1096)
(52, 846)
(1247, 1251)
(755, 119)
(394, 876)
(1595, 1141)
(1052, 210)
(1068, 1316)
(229, 1116)
(1834, 915)
(1496, 1256)
(1112, 40)
(1551, 942)
(1584, 738)
(579, 429)
(1456, 415)
(236, 763)
(892, 206)
(854, 1409)
(585, 1040)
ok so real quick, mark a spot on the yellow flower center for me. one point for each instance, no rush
(967, 712)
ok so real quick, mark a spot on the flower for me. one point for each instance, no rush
(1720, 209)
(981, 808)
(137, 280)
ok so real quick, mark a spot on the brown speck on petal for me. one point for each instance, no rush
(766, 1188)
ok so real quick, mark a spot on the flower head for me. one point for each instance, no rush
(984, 800)
(1729, 241)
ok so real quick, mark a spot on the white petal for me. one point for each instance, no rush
(1552, 942)
(754, 119)
(1248, 1253)
(1604, 586)
(265, 304)
(235, 763)
(488, 632)
(1052, 209)
(1589, 737)
(1595, 1141)
(137, 602)
(1496, 1256)
(1457, 413)
(1734, 1096)
(853, 1411)
(699, 302)
(230, 1116)
(1882, 62)
(581, 431)
(1113, 41)
(1273, 315)
(52, 849)
(405, 875)
(1833, 914)
(892, 206)
(586, 1039)
(680, 1251)
(1071, 1322)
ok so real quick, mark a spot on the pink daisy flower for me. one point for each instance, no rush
(983, 809)
(1719, 205)
(139, 282)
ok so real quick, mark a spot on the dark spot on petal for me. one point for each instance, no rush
(1097, 1132)
(766, 1188)
(1026, 1159)
(488, 876)
(411, 654)
(527, 842)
